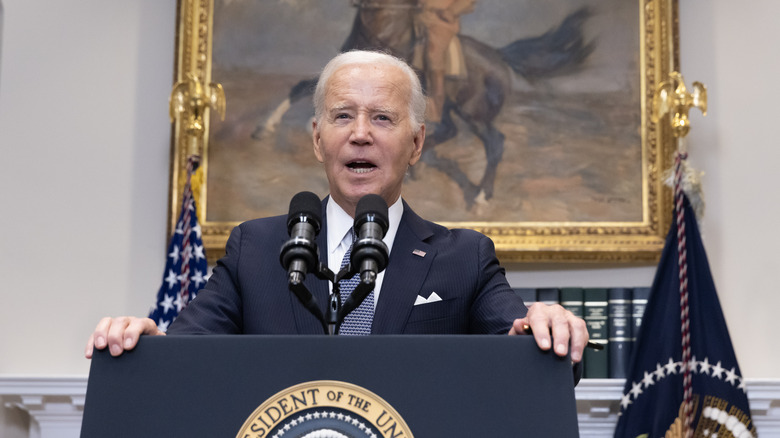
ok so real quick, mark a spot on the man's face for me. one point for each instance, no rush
(365, 137)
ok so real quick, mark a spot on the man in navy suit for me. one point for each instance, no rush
(368, 129)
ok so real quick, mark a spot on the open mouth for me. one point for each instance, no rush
(361, 166)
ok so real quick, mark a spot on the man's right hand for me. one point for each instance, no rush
(120, 334)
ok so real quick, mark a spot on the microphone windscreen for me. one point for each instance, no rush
(374, 209)
(305, 204)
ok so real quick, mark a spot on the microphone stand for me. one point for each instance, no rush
(296, 286)
(366, 285)
(336, 311)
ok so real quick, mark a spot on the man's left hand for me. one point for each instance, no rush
(565, 328)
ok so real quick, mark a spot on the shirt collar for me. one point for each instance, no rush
(339, 223)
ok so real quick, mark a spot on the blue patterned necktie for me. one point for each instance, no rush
(357, 322)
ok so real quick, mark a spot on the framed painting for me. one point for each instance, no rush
(544, 139)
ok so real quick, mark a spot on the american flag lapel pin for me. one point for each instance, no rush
(419, 253)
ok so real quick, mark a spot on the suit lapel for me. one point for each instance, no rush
(409, 263)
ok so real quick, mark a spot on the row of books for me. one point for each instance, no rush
(613, 315)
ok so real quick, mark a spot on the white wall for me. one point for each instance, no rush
(729, 47)
(84, 142)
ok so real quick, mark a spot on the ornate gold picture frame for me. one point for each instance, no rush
(570, 168)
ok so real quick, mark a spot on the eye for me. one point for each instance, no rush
(342, 116)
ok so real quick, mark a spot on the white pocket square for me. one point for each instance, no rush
(434, 297)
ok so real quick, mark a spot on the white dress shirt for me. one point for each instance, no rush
(339, 238)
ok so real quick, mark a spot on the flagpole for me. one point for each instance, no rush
(671, 96)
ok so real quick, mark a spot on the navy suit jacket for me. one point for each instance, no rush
(247, 292)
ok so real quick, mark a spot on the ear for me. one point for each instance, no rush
(316, 139)
(418, 140)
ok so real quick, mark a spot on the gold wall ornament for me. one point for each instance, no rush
(672, 97)
(189, 100)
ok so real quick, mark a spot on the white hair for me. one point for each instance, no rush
(362, 57)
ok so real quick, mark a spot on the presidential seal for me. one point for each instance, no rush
(325, 409)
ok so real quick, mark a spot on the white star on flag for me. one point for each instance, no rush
(199, 252)
(636, 390)
(648, 380)
(172, 279)
(731, 376)
(692, 365)
(174, 254)
(660, 372)
(671, 367)
(162, 325)
(197, 278)
(705, 366)
(717, 370)
(625, 400)
(167, 303)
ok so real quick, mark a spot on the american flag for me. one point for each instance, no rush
(186, 268)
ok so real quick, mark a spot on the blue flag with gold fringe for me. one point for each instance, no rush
(671, 380)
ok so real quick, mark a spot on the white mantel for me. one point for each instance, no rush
(56, 404)
(598, 402)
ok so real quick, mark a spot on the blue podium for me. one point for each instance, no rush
(319, 386)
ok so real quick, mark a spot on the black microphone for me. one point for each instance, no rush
(300, 255)
(369, 252)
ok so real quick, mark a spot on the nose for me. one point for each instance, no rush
(361, 131)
